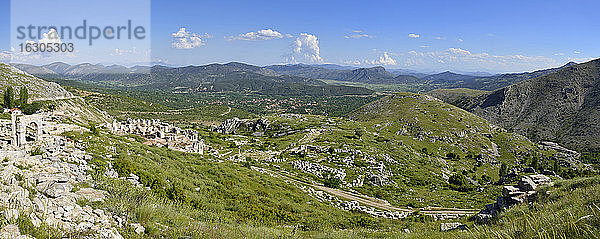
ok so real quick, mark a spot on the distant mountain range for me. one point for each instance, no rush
(373, 75)
(236, 76)
(232, 76)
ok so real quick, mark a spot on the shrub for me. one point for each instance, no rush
(460, 183)
(176, 193)
(30, 109)
(36, 151)
(94, 129)
(332, 182)
(362, 221)
(123, 167)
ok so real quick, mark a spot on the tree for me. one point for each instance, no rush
(23, 96)
(535, 162)
(556, 167)
(503, 170)
(9, 98)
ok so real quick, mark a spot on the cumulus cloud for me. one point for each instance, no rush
(459, 58)
(384, 59)
(50, 37)
(265, 34)
(184, 39)
(306, 48)
(413, 35)
(16, 55)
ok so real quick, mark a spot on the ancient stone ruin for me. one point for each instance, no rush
(161, 134)
(20, 129)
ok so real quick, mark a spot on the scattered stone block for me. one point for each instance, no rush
(527, 184)
(452, 226)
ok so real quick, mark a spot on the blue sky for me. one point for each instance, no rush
(493, 36)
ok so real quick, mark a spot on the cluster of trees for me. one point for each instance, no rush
(11, 102)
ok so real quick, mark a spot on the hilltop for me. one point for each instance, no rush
(561, 106)
(38, 89)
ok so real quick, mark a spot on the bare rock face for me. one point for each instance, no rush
(38, 89)
(54, 189)
(509, 191)
(561, 107)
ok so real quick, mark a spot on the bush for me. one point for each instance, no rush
(94, 129)
(36, 151)
(362, 221)
(460, 183)
(123, 167)
(332, 182)
(266, 215)
(176, 193)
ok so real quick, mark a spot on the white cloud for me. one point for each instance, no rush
(580, 59)
(184, 39)
(424, 46)
(440, 38)
(413, 35)
(457, 58)
(120, 52)
(265, 34)
(28, 57)
(356, 34)
(4, 56)
(350, 62)
(460, 40)
(385, 59)
(50, 37)
(306, 47)
(559, 54)
(576, 52)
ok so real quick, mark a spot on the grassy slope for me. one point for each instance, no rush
(417, 133)
(458, 96)
(218, 198)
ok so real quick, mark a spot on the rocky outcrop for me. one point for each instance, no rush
(44, 190)
(524, 191)
(256, 127)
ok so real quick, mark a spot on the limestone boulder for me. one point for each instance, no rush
(54, 189)
(527, 184)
